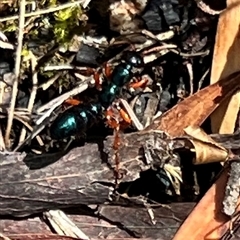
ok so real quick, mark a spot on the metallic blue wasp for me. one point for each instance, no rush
(78, 119)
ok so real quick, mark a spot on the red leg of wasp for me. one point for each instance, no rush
(113, 122)
(142, 83)
(97, 75)
(117, 115)
(72, 101)
(126, 119)
(111, 117)
(116, 146)
(107, 71)
(98, 81)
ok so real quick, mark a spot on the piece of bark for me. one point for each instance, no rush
(225, 62)
(41, 237)
(71, 181)
(24, 226)
(79, 177)
(129, 148)
(196, 108)
(133, 141)
(167, 218)
(112, 222)
(229, 141)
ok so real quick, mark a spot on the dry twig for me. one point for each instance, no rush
(45, 11)
(190, 72)
(46, 85)
(33, 94)
(4, 237)
(61, 223)
(50, 108)
(17, 72)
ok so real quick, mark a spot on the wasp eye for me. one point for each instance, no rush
(133, 58)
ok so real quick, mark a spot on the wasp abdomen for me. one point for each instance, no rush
(75, 120)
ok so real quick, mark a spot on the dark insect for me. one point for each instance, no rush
(78, 119)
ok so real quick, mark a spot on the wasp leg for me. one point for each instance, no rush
(112, 118)
(113, 121)
(140, 83)
(116, 146)
(107, 71)
(72, 101)
(117, 116)
(97, 75)
(124, 115)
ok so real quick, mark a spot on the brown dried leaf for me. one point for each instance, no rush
(225, 62)
(197, 107)
(207, 150)
(207, 221)
(197, 133)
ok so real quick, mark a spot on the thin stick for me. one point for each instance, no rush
(6, 45)
(205, 53)
(60, 99)
(190, 72)
(63, 225)
(2, 144)
(159, 48)
(51, 106)
(59, 67)
(33, 94)
(43, 11)
(17, 71)
(40, 141)
(161, 36)
(63, 67)
(132, 115)
(86, 3)
(4, 237)
(46, 85)
(202, 79)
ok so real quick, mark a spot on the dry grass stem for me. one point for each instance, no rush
(63, 225)
(16, 72)
(59, 100)
(4, 237)
(33, 94)
(44, 11)
(46, 85)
